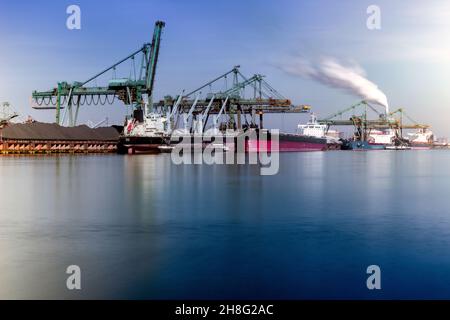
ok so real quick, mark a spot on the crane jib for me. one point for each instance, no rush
(128, 90)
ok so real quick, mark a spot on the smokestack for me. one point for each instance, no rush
(330, 72)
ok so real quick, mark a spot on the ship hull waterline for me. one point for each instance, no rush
(287, 143)
(139, 145)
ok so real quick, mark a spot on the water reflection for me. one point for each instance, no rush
(141, 227)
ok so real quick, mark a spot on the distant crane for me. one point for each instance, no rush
(6, 113)
(98, 124)
(363, 125)
(130, 91)
(414, 124)
(362, 103)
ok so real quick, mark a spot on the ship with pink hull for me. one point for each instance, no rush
(287, 142)
(311, 136)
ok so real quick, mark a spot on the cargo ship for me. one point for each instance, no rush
(143, 134)
(423, 139)
(314, 129)
(382, 137)
(441, 143)
(288, 142)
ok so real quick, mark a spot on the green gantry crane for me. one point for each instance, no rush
(70, 96)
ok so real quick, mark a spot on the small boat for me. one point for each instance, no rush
(360, 145)
(401, 147)
(165, 148)
(219, 146)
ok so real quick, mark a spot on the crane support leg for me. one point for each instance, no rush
(239, 120)
(261, 123)
(75, 120)
(69, 109)
(58, 104)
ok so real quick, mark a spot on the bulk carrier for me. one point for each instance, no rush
(143, 133)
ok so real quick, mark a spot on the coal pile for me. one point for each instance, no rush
(53, 132)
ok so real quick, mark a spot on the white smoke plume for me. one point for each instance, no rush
(351, 78)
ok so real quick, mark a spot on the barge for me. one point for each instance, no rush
(50, 138)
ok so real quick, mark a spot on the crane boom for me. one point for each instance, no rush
(223, 107)
(209, 106)
(187, 117)
(177, 103)
(216, 117)
(235, 70)
(242, 85)
(153, 58)
(344, 110)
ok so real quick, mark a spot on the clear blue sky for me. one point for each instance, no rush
(409, 58)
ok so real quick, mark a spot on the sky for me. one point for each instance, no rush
(408, 58)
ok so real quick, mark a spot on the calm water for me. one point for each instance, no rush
(141, 227)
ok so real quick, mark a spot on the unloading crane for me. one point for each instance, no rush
(200, 122)
(362, 103)
(171, 114)
(187, 117)
(262, 99)
(235, 71)
(217, 116)
(131, 91)
(265, 98)
(364, 126)
(414, 124)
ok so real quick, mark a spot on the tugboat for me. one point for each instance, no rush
(356, 144)
(362, 140)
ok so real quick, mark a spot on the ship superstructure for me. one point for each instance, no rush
(314, 129)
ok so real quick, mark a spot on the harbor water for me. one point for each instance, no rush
(140, 227)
